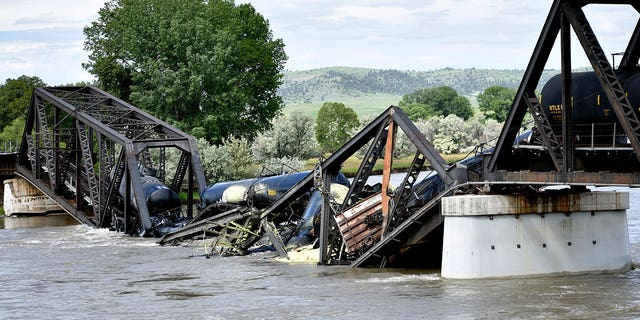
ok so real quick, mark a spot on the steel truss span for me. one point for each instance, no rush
(564, 156)
(105, 161)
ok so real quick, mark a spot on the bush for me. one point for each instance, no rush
(230, 161)
(291, 137)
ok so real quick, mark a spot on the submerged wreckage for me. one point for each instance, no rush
(502, 220)
(351, 223)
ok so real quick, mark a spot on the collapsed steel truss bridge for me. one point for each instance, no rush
(86, 149)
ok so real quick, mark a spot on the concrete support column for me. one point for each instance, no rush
(517, 235)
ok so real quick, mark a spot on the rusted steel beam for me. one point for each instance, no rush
(572, 178)
(386, 174)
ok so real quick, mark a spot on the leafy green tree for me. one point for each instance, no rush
(334, 125)
(291, 135)
(13, 132)
(439, 101)
(209, 67)
(15, 95)
(495, 101)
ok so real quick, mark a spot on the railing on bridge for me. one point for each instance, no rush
(9, 146)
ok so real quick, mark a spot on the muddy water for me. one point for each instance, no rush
(71, 272)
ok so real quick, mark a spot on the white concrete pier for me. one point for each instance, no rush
(21, 198)
(517, 235)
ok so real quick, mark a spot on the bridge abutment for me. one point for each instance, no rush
(22, 198)
(546, 233)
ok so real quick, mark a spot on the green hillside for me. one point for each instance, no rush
(369, 91)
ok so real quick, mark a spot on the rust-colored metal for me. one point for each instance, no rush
(358, 224)
(573, 178)
(386, 173)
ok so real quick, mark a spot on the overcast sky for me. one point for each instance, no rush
(44, 38)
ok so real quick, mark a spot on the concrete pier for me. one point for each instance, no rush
(546, 233)
(21, 198)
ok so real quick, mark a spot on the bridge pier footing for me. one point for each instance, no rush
(546, 233)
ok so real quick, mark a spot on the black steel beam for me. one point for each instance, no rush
(529, 82)
(62, 202)
(90, 116)
(632, 53)
(608, 79)
(567, 96)
(332, 163)
(366, 167)
(424, 146)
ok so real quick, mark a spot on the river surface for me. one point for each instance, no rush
(63, 271)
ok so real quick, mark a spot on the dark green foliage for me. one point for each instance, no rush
(208, 67)
(495, 102)
(15, 95)
(334, 125)
(440, 101)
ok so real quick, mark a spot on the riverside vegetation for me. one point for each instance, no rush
(353, 97)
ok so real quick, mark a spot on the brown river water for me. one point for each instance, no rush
(51, 268)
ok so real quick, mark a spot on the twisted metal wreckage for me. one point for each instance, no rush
(104, 161)
(348, 223)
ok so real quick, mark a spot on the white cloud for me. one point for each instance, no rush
(44, 38)
(381, 14)
(419, 35)
(36, 14)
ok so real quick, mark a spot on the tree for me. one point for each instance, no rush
(334, 124)
(206, 66)
(495, 102)
(15, 95)
(439, 101)
(291, 136)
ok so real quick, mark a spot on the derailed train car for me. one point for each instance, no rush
(297, 226)
(589, 101)
(163, 205)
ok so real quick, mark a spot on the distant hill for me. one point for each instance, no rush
(369, 91)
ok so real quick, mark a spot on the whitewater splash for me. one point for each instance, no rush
(413, 278)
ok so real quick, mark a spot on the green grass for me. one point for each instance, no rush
(364, 106)
(368, 106)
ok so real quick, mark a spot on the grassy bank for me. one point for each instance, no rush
(350, 167)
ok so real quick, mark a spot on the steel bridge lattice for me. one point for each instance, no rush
(88, 150)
